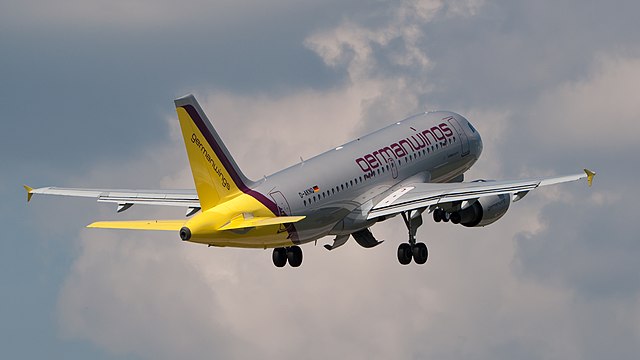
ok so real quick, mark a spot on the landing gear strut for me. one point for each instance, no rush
(412, 250)
(282, 255)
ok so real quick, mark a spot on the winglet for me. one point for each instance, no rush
(590, 175)
(29, 192)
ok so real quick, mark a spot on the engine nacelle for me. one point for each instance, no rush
(485, 210)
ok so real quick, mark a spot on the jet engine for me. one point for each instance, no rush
(482, 212)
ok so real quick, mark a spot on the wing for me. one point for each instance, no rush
(419, 196)
(126, 198)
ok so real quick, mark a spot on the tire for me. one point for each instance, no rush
(294, 256)
(437, 215)
(279, 257)
(404, 254)
(456, 218)
(420, 253)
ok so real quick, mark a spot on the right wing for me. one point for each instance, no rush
(422, 195)
(126, 198)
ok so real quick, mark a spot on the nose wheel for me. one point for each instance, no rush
(412, 250)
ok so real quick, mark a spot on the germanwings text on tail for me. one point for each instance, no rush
(410, 168)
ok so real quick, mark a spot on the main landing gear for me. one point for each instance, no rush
(292, 254)
(412, 250)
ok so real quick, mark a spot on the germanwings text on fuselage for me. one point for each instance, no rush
(379, 157)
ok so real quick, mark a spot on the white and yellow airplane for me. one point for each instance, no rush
(407, 168)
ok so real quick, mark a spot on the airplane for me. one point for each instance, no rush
(413, 166)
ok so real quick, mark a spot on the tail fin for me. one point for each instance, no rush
(215, 173)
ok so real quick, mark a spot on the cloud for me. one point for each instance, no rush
(548, 280)
(595, 112)
(143, 14)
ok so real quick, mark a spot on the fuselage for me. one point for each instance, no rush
(335, 189)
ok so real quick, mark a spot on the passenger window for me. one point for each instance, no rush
(360, 178)
(333, 191)
(351, 182)
(305, 202)
(342, 186)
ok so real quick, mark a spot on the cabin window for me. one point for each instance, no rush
(342, 186)
(305, 202)
(333, 191)
(360, 178)
(351, 182)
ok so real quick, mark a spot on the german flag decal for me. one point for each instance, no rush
(316, 188)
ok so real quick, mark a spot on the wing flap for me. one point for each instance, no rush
(242, 222)
(162, 225)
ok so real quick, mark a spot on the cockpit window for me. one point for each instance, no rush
(471, 127)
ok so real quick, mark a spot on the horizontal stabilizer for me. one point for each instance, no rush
(164, 225)
(242, 222)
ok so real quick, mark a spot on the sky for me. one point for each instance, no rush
(87, 90)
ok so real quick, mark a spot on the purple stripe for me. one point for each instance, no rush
(237, 179)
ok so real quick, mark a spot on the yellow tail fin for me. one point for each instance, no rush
(215, 173)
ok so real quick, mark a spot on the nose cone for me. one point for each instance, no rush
(477, 145)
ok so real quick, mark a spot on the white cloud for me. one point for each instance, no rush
(599, 111)
(150, 295)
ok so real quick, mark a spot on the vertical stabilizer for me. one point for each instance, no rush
(215, 173)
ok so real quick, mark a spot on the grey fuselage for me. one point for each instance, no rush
(337, 188)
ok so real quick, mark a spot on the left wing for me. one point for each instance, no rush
(126, 198)
(422, 195)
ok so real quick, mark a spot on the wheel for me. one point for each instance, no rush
(420, 253)
(404, 254)
(294, 256)
(279, 257)
(445, 216)
(437, 215)
(455, 218)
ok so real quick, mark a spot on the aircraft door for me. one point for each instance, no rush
(462, 135)
(283, 207)
(394, 167)
(281, 201)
